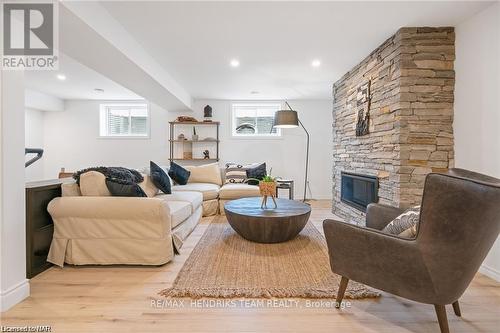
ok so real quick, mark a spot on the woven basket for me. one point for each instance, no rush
(267, 188)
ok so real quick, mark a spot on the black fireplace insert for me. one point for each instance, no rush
(358, 190)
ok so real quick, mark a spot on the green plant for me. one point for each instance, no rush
(268, 178)
(194, 130)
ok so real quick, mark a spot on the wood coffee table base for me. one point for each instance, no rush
(272, 225)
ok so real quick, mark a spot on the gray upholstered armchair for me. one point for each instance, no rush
(459, 222)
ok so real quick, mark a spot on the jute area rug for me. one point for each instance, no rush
(225, 265)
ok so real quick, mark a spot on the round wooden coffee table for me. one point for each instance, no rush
(271, 225)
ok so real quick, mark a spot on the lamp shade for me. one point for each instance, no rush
(286, 119)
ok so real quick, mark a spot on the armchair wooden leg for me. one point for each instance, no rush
(340, 294)
(442, 319)
(456, 308)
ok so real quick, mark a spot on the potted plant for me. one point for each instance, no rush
(267, 188)
(195, 136)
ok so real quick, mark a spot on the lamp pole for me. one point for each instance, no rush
(307, 153)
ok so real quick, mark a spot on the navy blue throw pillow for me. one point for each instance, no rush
(178, 173)
(160, 178)
(259, 172)
(121, 188)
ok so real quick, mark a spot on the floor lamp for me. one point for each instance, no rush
(290, 119)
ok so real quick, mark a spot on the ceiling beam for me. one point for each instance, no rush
(90, 35)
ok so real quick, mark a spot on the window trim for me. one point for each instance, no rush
(233, 135)
(103, 120)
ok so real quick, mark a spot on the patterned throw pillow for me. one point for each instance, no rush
(407, 220)
(237, 173)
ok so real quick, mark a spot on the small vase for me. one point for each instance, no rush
(194, 137)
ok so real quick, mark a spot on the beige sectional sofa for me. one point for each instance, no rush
(209, 179)
(92, 227)
(106, 230)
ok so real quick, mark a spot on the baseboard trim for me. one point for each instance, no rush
(14, 295)
(490, 272)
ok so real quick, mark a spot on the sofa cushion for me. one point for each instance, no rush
(405, 221)
(160, 178)
(149, 187)
(194, 198)
(209, 191)
(236, 191)
(208, 173)
(121, 188)
(179, 211)
(70, 190)
(93, 184)
(179, 174)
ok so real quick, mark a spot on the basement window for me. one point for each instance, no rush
(124, 121)
(254, 119)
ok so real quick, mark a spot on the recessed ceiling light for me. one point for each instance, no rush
(316, 63)
(61, 77)
(234, 63)
(99, 90)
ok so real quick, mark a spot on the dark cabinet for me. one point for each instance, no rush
(39, 225)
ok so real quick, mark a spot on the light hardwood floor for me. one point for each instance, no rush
(118, 299)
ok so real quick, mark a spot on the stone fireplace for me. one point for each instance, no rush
(410, 119)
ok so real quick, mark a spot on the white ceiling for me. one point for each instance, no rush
(79, 84)
(275, 42)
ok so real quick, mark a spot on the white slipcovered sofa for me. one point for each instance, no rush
(104, 230)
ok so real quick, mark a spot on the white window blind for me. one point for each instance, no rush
(124, 120)
(254, 119)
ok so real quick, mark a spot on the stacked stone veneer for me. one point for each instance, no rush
(411, 127)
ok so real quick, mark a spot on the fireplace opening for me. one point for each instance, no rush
(358, 190)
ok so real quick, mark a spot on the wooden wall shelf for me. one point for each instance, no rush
(194, 122)
(172, 139)
(196, 159)
(191, 141)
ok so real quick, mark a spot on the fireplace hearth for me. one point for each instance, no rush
(358, 191)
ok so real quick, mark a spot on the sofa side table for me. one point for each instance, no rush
(285, 184)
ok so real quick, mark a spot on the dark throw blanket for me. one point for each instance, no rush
(116, 173)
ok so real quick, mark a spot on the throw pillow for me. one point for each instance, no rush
(259, 172)
(178, 173)
(121, 188)
(160, 178)
(208, 173)
(406, 220)
(237, 173)
(410, 232)
(93, 184)
(149, 187)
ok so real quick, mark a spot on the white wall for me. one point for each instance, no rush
(34, 138)
(72, 140)
(477, 105)
(285, 155)
(14, 286)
